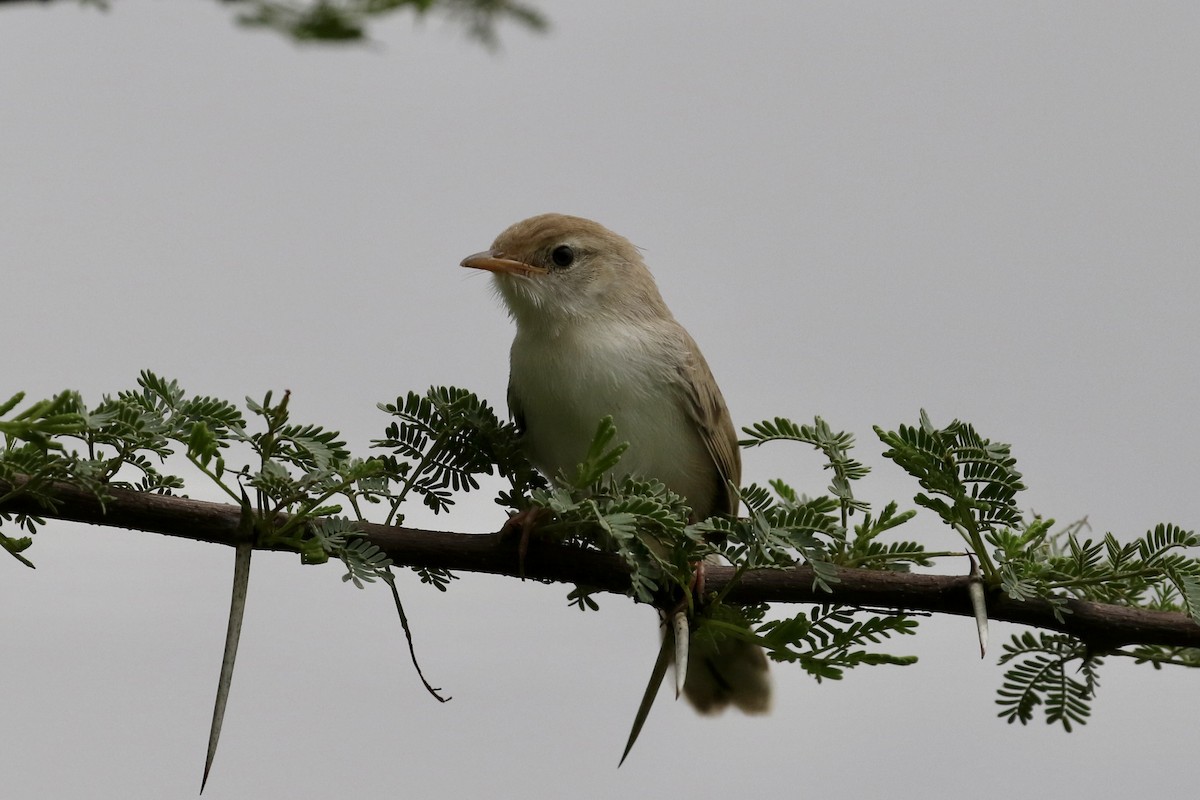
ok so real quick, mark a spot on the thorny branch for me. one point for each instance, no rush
(1100, 625)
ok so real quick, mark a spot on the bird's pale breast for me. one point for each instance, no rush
(566, 384)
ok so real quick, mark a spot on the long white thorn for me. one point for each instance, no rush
(233, 633)
(979, 605)
(680, 625)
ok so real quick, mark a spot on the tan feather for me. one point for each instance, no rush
(706, 405)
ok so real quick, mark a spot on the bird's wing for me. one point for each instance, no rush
(706, 405)
(515, 410)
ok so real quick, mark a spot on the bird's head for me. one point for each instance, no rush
(553, 268)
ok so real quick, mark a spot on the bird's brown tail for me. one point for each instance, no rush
(724, 671)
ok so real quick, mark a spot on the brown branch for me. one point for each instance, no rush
(1101, 625)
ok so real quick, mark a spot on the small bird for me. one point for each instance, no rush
(595, 339)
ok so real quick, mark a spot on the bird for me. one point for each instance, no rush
(594, 338)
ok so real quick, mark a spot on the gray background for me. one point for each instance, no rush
(859, 210)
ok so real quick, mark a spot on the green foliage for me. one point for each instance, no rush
(349, 21)
(32, 452)
(780, 535)
(441, 441)
(41, 421)
(834, 446)
(1150, 572)
(340, 21)
(864, 550)
(830, 640)
(1158, 657)
(651, 528)
(581, 598)
(971, 482)
(365, 562)
(641, 520)
(1048, 669)
(438, 444)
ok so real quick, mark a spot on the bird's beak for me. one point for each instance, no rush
(496, 262)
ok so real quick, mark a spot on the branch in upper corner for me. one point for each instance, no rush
(348, 21)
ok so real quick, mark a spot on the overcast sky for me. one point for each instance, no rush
(858, 209)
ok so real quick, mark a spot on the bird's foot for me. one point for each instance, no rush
(698, 579)
(695, 591)
(523, 524)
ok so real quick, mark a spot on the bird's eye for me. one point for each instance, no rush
(562, 256)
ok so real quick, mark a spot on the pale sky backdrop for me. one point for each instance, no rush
(858, 209)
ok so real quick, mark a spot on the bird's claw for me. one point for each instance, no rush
(523, 524)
